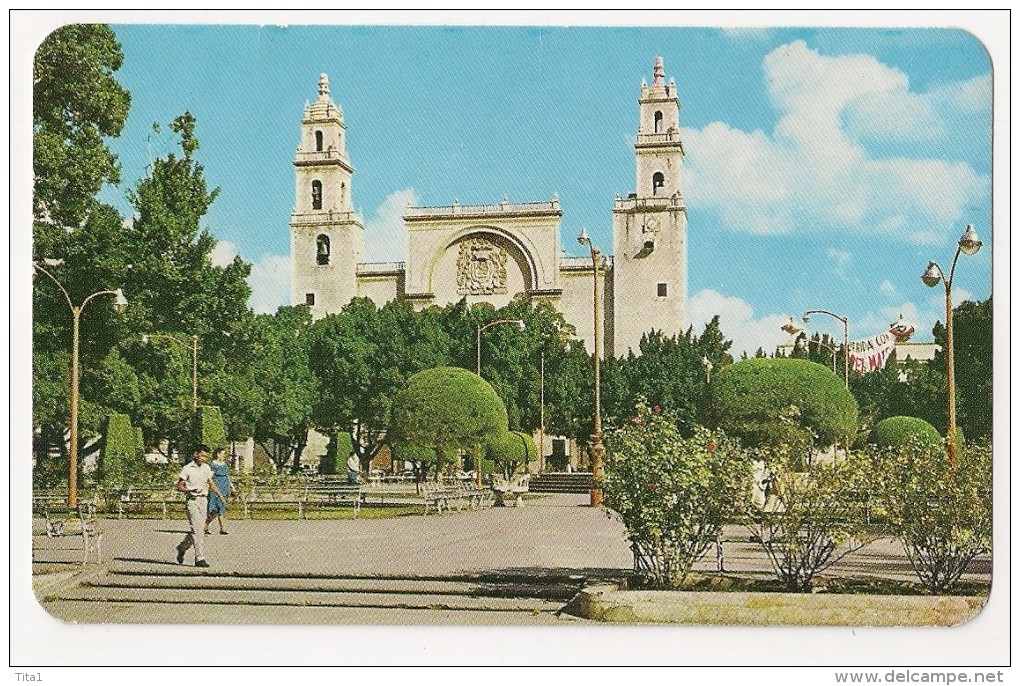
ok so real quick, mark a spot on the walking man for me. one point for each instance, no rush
(195, 480)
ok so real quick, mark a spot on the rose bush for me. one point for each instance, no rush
(672, 493)
(941, 514)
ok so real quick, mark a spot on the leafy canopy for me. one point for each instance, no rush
(774, 402)
(446, 409)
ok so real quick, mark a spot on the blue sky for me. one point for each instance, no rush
(824, 167)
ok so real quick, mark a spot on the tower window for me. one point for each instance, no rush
(317, 194)
(661, 290)
(658, 183)
(318, 141)
(322, 249)
(309, 299)
(658, 122)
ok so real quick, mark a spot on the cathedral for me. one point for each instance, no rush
(492, 253)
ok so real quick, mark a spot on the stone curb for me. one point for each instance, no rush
(612, 603)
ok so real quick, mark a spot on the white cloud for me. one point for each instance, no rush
(223, 254)
(737, 321)
(887, 287)
(270, 283)
(811, 172)
(841, 258)
(385, 235)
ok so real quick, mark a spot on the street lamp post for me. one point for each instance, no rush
(968, 245)
(193, 346)
(597, 449)
(119, 303)
(478, 370)
(846, 340)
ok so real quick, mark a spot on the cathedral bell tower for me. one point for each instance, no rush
(326, 236)
(650, 225)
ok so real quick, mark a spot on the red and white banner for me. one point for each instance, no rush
(870, 355)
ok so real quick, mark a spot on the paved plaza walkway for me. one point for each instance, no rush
(513, 565)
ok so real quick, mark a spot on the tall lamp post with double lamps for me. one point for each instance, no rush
(478, 370)
(193, 346)
(597, 449)
(968, 245)
(846, 340)
(119, 303)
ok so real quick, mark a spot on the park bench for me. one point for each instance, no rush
(274, 498)
(139, 500)
(475, 498)
(332, 495)
(438, 497)
(511, 491)
(58, 519)
(52, 507)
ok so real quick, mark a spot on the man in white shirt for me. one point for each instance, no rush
(195, 480)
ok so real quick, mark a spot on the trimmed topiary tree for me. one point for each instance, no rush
(337, 450)
(777, 402)
(893, 432)
(207, 427)
(122, 453)
(511, 450)
(447, 410)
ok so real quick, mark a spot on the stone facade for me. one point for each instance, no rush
(491, 253)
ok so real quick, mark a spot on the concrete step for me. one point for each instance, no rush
(561, 482)
(303, 598)
(203, 580)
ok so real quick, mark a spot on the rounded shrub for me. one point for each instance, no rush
(893, 432)
(511, 450)
(784, 401)
(446, 409)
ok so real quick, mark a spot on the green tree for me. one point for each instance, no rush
(122, 453)
(972, 356)
(775, 402)
(446, 410)
(76, 103)
(511, 450)
(175, 289)
(669, 372)
(672, 493)
(361, 357)
(286, 383)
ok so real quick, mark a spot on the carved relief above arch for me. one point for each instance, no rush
(484, 255)
(481, 267)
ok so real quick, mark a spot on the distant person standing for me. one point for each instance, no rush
(353, 468)
(221, 477)
(195, 481)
